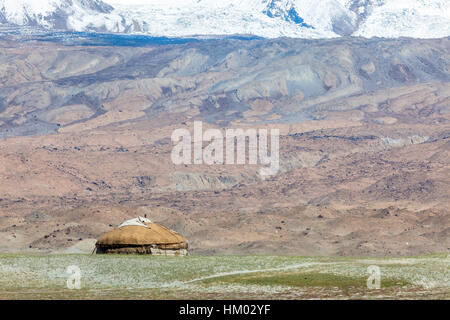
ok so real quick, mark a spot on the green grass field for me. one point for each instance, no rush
(228, 277)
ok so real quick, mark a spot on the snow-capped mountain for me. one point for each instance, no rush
(402, 18)
(75, 15)
(266, 18)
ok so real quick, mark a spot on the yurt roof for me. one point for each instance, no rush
(140, 231)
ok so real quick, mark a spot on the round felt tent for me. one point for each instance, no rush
(141, 236)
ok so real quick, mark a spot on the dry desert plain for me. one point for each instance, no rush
(364, 144)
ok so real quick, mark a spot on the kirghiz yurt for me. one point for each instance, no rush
(142, 236)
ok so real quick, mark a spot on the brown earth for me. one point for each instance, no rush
(365, 166)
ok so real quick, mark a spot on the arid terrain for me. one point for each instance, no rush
(85, 143)
(236, 277)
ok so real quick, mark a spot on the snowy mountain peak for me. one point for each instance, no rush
(285, 10)
(266, 18)
(76, 15)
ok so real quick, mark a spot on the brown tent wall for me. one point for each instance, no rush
(178, 249)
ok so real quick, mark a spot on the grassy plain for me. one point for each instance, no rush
(25, 276)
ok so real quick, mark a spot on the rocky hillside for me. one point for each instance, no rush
(64, 89)
(364, 146)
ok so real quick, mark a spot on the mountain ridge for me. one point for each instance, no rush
(264, 18)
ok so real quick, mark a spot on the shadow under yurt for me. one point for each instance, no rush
(142, 236)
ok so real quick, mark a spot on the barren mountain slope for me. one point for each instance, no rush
(364, 145)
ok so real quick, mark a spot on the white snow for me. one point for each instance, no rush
(19, 11)
(79, 16)
(212, 17)
(408, 18)
(175, 18)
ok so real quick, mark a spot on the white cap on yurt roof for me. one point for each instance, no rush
(139, 221)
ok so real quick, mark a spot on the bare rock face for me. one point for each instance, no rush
(330, 81)
(368, 68)
(364, 143)
(401, 73)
